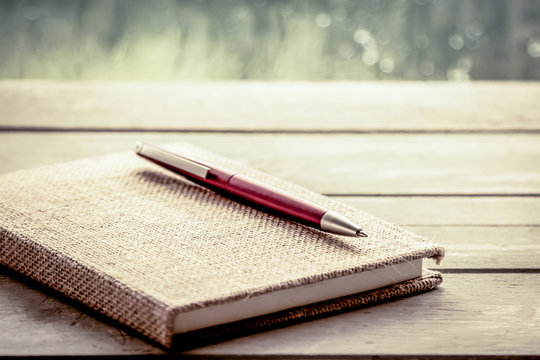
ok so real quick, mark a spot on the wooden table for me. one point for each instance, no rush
(458, 163)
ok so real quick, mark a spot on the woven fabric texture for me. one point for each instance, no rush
(140, 244)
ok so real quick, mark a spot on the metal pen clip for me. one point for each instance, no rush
(166, 157)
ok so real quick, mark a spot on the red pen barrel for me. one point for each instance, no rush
(270, 197)
(244, 189)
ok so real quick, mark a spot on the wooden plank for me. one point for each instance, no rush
(469, 314)
(345, 106)
(21, 151)
(484, 248)
(451, 211)
(338, 164)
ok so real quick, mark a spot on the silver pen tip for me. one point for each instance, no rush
(340, 225)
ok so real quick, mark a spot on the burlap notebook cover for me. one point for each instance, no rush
(141, 245)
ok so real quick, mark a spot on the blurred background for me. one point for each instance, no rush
(457, 40)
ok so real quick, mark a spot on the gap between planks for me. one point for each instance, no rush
(487, 271)
(244, 131)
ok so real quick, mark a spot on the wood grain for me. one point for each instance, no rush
(342, 106)
(469, 314)
(338, 164)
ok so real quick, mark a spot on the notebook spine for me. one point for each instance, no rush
(98, 291)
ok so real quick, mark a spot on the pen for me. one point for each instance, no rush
(253, 192)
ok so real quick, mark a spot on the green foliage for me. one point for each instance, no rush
(270, 40)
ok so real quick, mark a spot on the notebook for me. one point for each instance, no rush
(165, 256)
